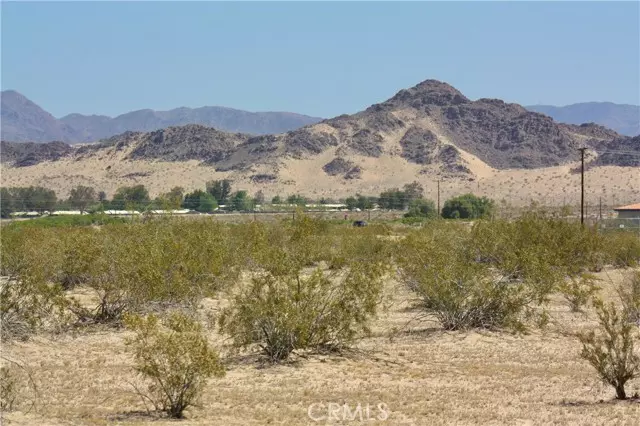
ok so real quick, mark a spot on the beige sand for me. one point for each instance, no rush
(517, 187)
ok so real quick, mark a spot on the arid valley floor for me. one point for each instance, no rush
(424, 375)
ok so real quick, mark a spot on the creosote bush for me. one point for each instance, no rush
(578, 290)
(128, 266)
(300, 298)
(439, 265)
(175, 357)
(28, 299)
(8, 389)
(539, 247)
(629, 293)
(494, 275)
(623, 248)
(610, 349)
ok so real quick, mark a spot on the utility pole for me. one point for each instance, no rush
(600, 202)
(582, 150)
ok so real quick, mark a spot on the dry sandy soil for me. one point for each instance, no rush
(552, 186)
(424, 376)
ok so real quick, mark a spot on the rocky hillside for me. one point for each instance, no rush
(619, 152)
(23, 120)
(625, 119)
(431, 125)
(182, 143)
(30, 153)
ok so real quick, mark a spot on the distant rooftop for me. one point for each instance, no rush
(630, 207)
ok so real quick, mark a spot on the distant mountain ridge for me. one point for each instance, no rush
(25, 121)
(427, 133)
(431, 125)
(623, 118)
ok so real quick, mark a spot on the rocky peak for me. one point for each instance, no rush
(429, 92)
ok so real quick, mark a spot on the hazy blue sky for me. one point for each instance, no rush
(320, 59)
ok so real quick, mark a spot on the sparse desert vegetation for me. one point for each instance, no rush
(529, 320)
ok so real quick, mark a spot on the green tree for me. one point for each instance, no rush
(6, 203)
(207, 203)
(276, 200)
(468, 206)
(82, 196)
(259, 197)
(34, 198)
(193, 199)
(351, 203)
(172, 199)
(393, 199)
(421, 208)
(296, 199)
(364, 203)
(131, 196)
(413, 191)
(359, 202)
(240, 201)
(220, 189)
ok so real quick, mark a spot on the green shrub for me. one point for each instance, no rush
(165, 261)
(438, 263)
(629, 293)
(28, 298)
(623, 248)
(294, 303)
(80, 249)
(285, 313)
(176, 359)
(578, 290)
(421, 208)
(200, 201)
(66, 221)
(468, 206)
(128, 266)
(610, 349)
(539, 249)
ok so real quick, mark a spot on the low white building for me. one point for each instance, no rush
(25, 214)
(183, 211)
(122, 212)
(68, 213)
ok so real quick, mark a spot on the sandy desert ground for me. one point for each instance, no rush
(423, 375)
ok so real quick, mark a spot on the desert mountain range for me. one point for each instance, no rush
(428, 132)
(25, 121)
(623, 118)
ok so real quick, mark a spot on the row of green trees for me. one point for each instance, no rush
(411, 198)
(219, 192)
(86, 198)
(26, 199)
